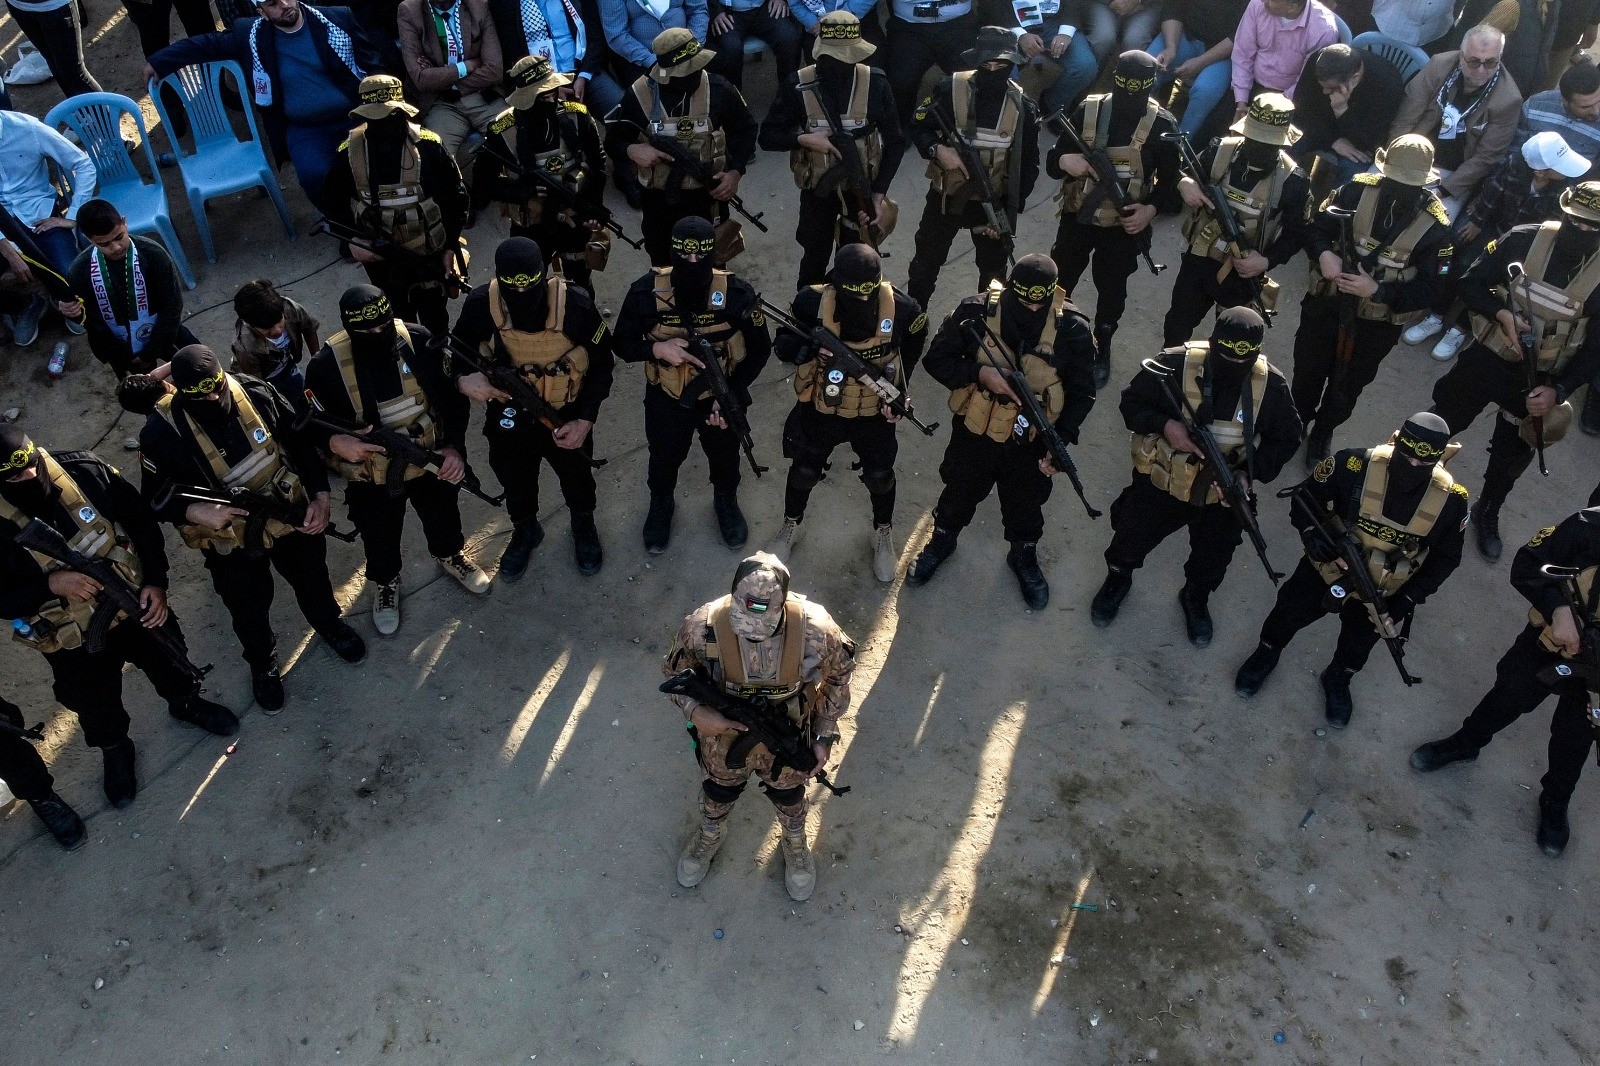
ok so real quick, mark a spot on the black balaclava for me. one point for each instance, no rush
(691, 282)
(856, 275)
(1257, 156)
(1133, 79)
(1573, 246)
(537, 128)
(990, 94)
(384, 139)
(369, 321)
(197, 375)
(518, 264)
(837, 79)
(1235, 344)
(1423, 437)
(1033, 279)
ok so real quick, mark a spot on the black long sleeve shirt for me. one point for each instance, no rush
(1574, 541)
(1374, 103)
(380, 381)
(1159, 157)
(1290, 240)
(637, 319)
(786, 121)
(925, 133)
(170, 453)
(1146, 409)
(582, 325)
(729, 113)
(574, 128)
(952, 359)
(441, 182)
(1432, 256)
(163, 292)
(910, 331)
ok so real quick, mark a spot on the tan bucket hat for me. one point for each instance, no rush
(381, 96)
(531, 77)
(1408, 160)
(678, 54)
(1270, 120)
(1582, 202)
(839, 37)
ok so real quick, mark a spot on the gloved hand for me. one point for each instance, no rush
(1319, 547)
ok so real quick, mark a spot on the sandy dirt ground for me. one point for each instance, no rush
(463, 850)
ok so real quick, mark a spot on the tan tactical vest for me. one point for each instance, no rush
(61, 623)
(790, 677)
(1128, 159)
(1559, 312)
(408, 411)
(1536, 617)
(1393, 553)
(1256, 208)
(266, 470)
(996, 417)
(994, 145)
(547, 360)
(1393, 262)
(808, 166)
(837, 393)
(403, 212)
(727, 343)
(560, 162)
(1179, 473)
(707, 144)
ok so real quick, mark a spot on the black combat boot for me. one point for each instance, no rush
(1554, 830)
(525, 537)
(586, 543)
(940, 547)
(658, 524)
(1103, 611)
(1319, 445)
(1437, 754)
(199, 711)
(266, 685)
(1590, 422)
(1336, 701)
(730, 520)
(1196, 615)
(1103, 332)
(1486, 527)
(121, 782)
(1254, 671)
(1024, 561)
(345, 642)
(62, 821)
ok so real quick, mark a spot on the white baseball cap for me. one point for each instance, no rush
(1549, 151)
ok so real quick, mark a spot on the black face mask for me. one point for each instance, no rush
(991, 81)
(527, 308)
(1020, 327)
(1572, 241)
(1407, 483)
(1258, 156)
(375, 345)
(691, 283)
(387, 132)
(858, 317)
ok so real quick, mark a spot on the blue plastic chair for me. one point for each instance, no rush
(1344, 29)
(96, 119)
(220, 163)
(1407, 58)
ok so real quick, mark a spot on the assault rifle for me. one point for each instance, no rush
(765, 723)
(260, 508)
(117, 597)
(33, 732)
(404, 452)
(1002, 217)
(1529, 343)
(459, 280)
(842, 357)
(714, 380)
(1105, 180)
(1033, 413)
(1332, 528)
(687, 166)
(1240, 502)
(566, 194)
(511, 382)
(1345, 346)
(1585, 667)
(1227, 220)
(847, 177)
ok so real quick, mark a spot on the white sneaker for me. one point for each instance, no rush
(1421, 331)
(1449, 344)
(464, 570)
(386, 608)
(30, 69)
(783, 543)
(885, 556)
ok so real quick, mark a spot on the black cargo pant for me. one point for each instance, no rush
(936, 233)
(1480, 379)
(975, 465)
(517, 454)
(380, 519)
(21, 767)
(1109, 252)
(670, 428)
(660, 211)
(1517, 690)
(415, 292)
(809, 438)
(819, 229)
(1144, 516)
(1303, 599)
(1321, 391)
(1195, 292)
(246, 587)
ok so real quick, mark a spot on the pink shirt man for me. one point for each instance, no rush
(1273, 42)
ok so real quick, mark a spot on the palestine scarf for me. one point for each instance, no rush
(338, 40)
(1451, 118)
(133, 296)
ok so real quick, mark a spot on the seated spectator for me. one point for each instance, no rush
(1414, 22)
(632, 26)
(1525, 189)
(1196, 48)
(272, 335)
(1530, 29)
(1576, 28)
(26, 191)
(568, 31)
(1117, 26)
(1050, 33)
(1572, 110)
(452, 58)
(733, 22)
(1468, 107)
(1274, 40)
(56, 29)
(1344, 104)
(128, 293)
(305, 66)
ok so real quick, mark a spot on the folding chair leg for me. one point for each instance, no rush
(180, 258)
(270, 183)
(197, 208)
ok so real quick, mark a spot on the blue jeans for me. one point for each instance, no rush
(1078, 67)
(602, 94)
(1208, 87)
(313, 151)
(60, 246)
